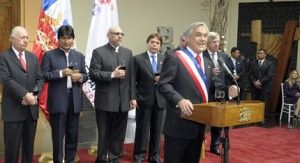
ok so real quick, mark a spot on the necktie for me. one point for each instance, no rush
(154, 64)
(22, 61)
(259, 63)
(234, 67)
(198, 58)
(215, 59)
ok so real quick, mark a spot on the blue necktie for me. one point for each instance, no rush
(154, 64)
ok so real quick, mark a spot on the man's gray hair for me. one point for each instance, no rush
(212, 36)
(193, 26)
(16, 30)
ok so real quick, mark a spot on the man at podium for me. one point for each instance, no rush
(186, 78)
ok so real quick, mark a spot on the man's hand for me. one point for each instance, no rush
(118, 73)
(233, 91)
(236, 77)
(156, 78)
(29, 99)
(24, 102)
(133, 104)
(67, 72)
(216, 71)
(186, 107)
(76, 76)
(76, 71)
(257, 84)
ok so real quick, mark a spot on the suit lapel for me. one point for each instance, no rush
(30, 65)
(238, 65)
(28, 62)
(147, 61)
(230, 64)
(15, 59)
(207, 62)
(259, 67)
(160, 59)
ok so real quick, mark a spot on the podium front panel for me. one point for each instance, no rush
(228, 113)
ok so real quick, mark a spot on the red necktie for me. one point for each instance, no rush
(22, 61)
(198, 58)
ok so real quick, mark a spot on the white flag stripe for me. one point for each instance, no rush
(197, 75)
(104, 16)
(53, 15)
(60, 11)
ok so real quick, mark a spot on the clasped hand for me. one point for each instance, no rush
(257, 84)
(74, 74)
(29, 99)
(119, 73)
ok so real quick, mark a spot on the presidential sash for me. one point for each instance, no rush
(195, 71)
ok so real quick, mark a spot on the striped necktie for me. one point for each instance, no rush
(22, 61)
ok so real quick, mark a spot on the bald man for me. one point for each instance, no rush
(110, 70)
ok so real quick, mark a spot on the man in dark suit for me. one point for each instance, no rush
(181, 45)
(186, 79)
(213, 54)
(261, 80)
(64, 69)
(21, 78)
(149, 115)
(110, 70)
(237, 68)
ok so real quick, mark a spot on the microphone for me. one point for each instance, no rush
(222, 62)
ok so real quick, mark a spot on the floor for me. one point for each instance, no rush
(87, 132)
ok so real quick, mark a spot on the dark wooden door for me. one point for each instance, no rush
(9, 17)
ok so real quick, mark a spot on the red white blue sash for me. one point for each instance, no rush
(195, 71)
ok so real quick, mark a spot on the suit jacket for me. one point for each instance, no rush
(220, 80)
(176, 84)
(16, 83)
(263, 73)
(143, 77)
(111, 94)
(240, 70)
(54, 61)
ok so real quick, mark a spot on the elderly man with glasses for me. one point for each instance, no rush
(110, 70)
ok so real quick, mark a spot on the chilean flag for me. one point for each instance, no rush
(53, 14)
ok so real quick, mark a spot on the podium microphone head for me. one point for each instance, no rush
(222, 62)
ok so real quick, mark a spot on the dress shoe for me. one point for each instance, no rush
(296, 116)
(215, 151)
(264, 125)
(154, 160)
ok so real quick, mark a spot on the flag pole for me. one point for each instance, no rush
(104, 15)
(53, 14)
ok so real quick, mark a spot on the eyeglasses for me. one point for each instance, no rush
(118, 33)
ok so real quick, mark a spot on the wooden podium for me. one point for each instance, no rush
(225, 115)
(228, 113)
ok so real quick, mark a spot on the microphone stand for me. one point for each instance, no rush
(225, 138)
(238, 89)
